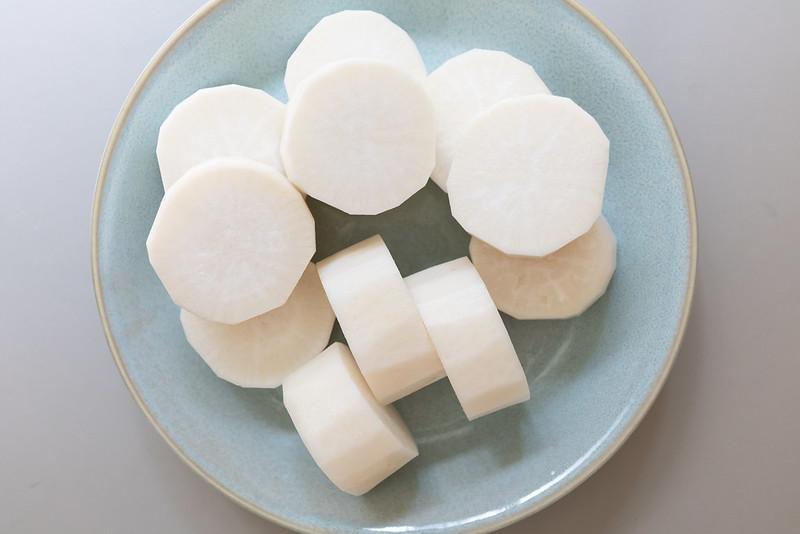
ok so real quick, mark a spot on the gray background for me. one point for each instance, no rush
(719, 451)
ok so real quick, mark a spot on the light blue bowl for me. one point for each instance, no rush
(592, 378)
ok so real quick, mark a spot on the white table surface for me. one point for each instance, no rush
(720, 450)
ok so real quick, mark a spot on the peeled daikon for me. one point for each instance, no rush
(348, 35)
(528, 175)
(262, 351)
(356, 441)
(380, 320)
(224, 121)
(360, 135)
(468, 84)
(560, 285)
(230, 240)
(470, 337)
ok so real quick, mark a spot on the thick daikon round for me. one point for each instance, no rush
(350, 35)
(561, 285)
(262, 351)
(528, 175)
(355, 440)
(361, 136)
(470, 337)
(224, 121)
(468, 84)
(230, 240)
(380, 320)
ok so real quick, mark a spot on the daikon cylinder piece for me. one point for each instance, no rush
(262, 351)
(230, 240)
(355, 440)
(468, 84)
(360, 135)
(224, 121)
(470, 337)
(560, 285)
(380, 320)
(349, 35)
(528, 175)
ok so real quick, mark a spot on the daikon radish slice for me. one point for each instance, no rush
(355, 440)
(380, 320)
(230, 240)
(561, 285)
(224, 121)
(468, 84)
(349, 35)
(262, 351)
(360, 136)
(528, 175)
(470, 337)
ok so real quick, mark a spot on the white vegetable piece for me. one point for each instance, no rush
(356, 441)
(224, 121)
(561, 285)
(350, 35)
(380, 320)
(230, 240)
(262, 351)
(468, 84)
(360, 135)
(528, 175)
(470, 337)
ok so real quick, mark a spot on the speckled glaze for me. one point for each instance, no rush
(592, 378)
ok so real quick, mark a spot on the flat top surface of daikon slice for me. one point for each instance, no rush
(216, 122)
(558, 286)
(230, 240)
(261, 351)
(348, 35)
(529, 174)
(468, 84)
(360, 135)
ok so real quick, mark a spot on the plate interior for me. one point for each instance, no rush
(589, 376)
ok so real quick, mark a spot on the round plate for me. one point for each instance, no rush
(592, 378)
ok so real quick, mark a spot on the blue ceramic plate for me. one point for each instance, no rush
(592, 378)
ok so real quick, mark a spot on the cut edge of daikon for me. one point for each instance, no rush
(435, 373)
(387, 417)
(470, 277)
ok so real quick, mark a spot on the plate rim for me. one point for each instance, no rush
(518, 515)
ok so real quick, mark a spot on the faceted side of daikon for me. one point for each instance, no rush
(352, 34)
(218, 122)
(470, 337)
(380, 320)
(468, 84)
(529, 175)
(262, 351)
(355, 440)
(558, 286)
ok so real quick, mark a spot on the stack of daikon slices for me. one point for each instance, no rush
(364, 129)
